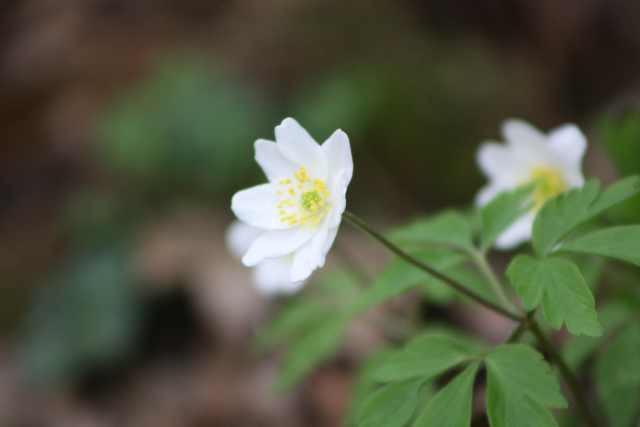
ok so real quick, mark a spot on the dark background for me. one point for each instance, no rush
(127, 126)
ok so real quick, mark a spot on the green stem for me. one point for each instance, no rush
(567, 374)
(517, 332)
(481, 262)
(360, 224)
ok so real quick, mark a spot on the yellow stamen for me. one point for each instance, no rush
(307, 200)
(548, 184)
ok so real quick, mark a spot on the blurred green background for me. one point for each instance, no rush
(128, 125)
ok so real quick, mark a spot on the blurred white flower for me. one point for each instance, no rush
(552, 161)
(299, 210)
(271, 276)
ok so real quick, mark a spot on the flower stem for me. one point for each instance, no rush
(481, 262)
(517, 332)
(360, 224)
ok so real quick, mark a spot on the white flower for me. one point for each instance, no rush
(299, 210)
(271, 276)
(553, 161)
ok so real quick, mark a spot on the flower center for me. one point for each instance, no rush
(302, 200)
(549, 183)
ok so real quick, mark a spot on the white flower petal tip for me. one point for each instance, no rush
(270, 276)
(296, 214)
(552, 161)
(239, 237)
(518, 233)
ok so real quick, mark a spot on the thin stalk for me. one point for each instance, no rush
(481, 262)
(517, 332)
(360, 224)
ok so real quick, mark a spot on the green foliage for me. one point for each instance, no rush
(392, 389)
(185, 130)
(520, 388)
(399, 276)
(392, 405)
(563, 213)
(449, 228)
(578, 348)
(451, 407)
(622, 242)
(311, 326)
(87, 317)
(621, 136)
(618, 376)
(559, 287)
(427, 356)
(501, 212)
(290, 322)
(315, 346)
(365, 385)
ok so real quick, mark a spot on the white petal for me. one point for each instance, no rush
(239, 237)
(517, 233)
(499, 164)
(256, 206)
(337, 151)
(338, 192)
(518, 131)
(331, 237)
(295, 143)
(293, 287)
(311, 255)
(488, 193)
(271, 276)
(271, 160)
(574, 177)
(277, 243)
(568, 144)
(492, 159)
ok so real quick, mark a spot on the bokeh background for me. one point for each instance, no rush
(127, 126)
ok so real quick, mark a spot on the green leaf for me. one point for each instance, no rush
(563, 213)
(558, 285)
(591, 268)
(296, 317)
(448, 228)
(622, 242)
(620, 135)
(520, 388)
(365, 385)
(474, 281)
(392, 405)
(451, 406)
(578, 348)
(400, 276)
(333, 292)
(426, 357)
(616, 193)
(312, 349)
(501, 212)
(618, 377)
